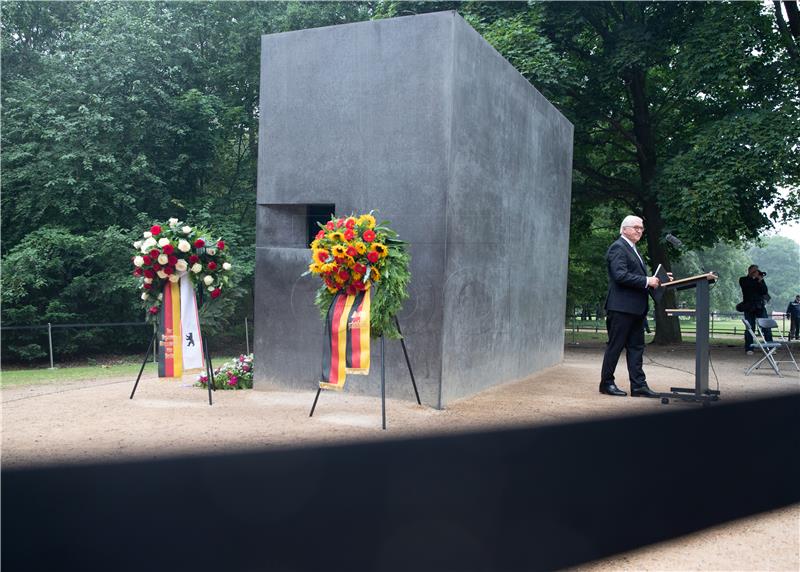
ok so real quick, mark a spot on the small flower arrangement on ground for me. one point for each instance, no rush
(168, 251)
(351, 254)
(235, 374)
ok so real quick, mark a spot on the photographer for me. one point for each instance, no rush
(754, 303)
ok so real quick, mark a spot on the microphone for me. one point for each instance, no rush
(673, 240)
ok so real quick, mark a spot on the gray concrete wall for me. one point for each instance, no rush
(422, 119)
(357, 116)
(508, 205)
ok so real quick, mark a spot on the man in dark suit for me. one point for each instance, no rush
(626, 303)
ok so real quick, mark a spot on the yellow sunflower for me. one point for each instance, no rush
(380, 249)
(374, 274)
(329, 267)
(337, 236)
(360, 247)
(338, 250)
(315, 267)
(332, 290)
(314, 244)
(367, 218)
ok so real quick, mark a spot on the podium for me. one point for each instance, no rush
(701, 393)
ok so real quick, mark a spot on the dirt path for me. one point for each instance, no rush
(93, 420)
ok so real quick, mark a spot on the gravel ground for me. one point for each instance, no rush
(93, 420)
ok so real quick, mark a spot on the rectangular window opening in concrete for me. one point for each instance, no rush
(291, 225)
(318, 214)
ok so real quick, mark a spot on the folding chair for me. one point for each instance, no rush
(777, 337)
(767, 348)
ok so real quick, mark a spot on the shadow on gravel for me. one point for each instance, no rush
(536, 499)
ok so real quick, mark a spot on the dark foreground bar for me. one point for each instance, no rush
(533, 499)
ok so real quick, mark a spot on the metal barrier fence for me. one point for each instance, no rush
(50, 327)
(720, 324)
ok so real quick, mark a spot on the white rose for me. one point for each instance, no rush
(211, 251)
(137, 245)
(181, 266)
(173, 222)
(208, 280)
(138, 261)
(163, 241)
(210, 288)
(184, 246)
(173, 278)
(145, 296)
(226, 266)
(148, 243)
(161, 274)
(147, 234)
(196, 267)
(186, 229)
(163, 259)
(148, 280)
(160, 296)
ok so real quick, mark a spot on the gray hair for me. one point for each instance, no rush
(630, 220)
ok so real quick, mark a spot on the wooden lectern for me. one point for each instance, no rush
(701, 392)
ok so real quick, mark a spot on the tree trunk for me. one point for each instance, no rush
(667, 329)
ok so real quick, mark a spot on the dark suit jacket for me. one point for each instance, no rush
(627, 279)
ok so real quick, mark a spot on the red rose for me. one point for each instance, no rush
(168, 249)
(349, 234)
(147, 286)
(373, 256)
(344, 274)
(350, 223)
(193, 259)
(351, 290)
(360, 268)
(329, 225)
(153, 310)
(216, 292)
(149, 274)
(339, 223)
(155, 229)
(199, 243)
(221, 244)
(351, 251)
(369, 235)
(322, 256)
(146, 260)
(172, 260)
(168, 270)
(153, 253)
(137, 272)
(156, 267)
(320, 235)
(360, 285)
(212, 265)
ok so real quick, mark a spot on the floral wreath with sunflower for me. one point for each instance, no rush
(354, 253)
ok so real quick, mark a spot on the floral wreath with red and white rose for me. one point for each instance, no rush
(168, 251)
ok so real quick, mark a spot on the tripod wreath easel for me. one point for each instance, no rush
(174, 263)
(206, 354)
(383, 377)
(354, 256)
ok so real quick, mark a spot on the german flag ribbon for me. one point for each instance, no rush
(346, 346)
(170, 355)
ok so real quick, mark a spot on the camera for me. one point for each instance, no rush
(761, 273)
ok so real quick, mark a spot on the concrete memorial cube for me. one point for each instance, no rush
(419, 118)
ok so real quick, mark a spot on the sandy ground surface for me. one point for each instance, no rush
(93, 420)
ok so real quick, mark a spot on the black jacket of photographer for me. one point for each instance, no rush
(754, 294)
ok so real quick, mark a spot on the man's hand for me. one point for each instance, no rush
(671, 277)
(653, 282)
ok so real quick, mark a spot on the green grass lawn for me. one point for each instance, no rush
(20, 377)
